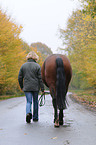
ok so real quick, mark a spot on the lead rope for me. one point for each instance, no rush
(42, 99)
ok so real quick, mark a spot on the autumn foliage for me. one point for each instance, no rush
(11, 55)
(13, 52)
(79, 39)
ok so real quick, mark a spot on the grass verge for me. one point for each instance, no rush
(86, 97)
(4, 97)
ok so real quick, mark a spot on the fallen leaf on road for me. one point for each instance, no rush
(54, 138)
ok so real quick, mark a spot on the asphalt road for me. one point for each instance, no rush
(79, 127)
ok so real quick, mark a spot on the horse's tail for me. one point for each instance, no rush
(60, 84)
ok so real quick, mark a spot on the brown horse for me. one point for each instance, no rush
(56, 74)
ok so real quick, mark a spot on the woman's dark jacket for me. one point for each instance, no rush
(30, 76)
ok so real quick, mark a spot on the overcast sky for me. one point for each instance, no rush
(41, 18)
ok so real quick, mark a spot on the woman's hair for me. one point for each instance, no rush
(32, 55)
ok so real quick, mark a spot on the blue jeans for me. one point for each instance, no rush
(29, 97)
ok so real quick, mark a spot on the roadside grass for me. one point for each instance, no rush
(86, 97)
(4, 97)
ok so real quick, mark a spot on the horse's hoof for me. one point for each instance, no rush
(56, 124)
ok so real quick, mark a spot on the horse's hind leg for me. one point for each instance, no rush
(56, 116)
(55, 109)
(61, 117)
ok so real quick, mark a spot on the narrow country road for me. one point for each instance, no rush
(79, 127)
